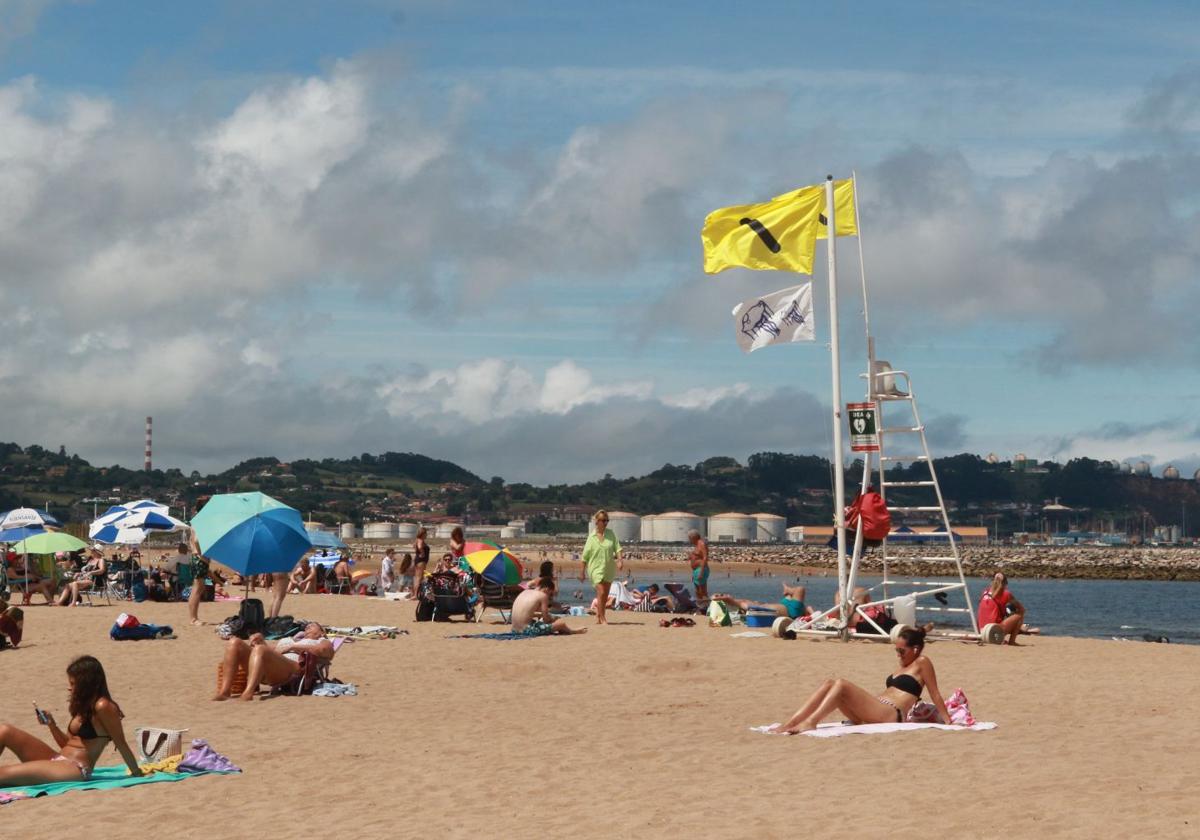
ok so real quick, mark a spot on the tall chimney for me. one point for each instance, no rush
(149, 423)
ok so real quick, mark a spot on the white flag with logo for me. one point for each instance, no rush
(775, 318)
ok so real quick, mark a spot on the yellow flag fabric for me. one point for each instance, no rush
(843, 211)
(777, 235)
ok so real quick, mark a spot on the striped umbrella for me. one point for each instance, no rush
(123, 526)
(251, 533)
(494, 562)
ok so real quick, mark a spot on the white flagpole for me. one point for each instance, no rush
(839, 479)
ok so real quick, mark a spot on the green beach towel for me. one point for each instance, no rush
(103, 778)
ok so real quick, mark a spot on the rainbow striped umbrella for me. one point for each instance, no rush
(494, 562)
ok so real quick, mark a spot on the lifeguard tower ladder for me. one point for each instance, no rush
(931, 597)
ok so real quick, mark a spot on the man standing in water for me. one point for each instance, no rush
(698, 560)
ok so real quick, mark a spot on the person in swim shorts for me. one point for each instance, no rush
(698, 559)
(531, 612)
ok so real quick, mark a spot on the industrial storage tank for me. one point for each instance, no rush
(993, 458)
(795, 534)
(380, 530)
(1126, 469)
(771, 528)
(407, 531)
(518, 524)
(731, 527)
(627, 526)
(1142, 468)
(445, 529)
(1196, 475)
(348, 531)
(647, 530)
(1170, 472)
(673, 526)
(509, 533)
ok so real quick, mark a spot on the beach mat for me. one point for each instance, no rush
(103, 778)
(499, 637)
(833, 730)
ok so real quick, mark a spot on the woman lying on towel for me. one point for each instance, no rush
(902, 690)
(271, 663)
(95, 721)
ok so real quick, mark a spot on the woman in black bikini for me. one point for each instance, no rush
(901, 692)
(95, 720)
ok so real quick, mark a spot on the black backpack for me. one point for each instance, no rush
(253, 617)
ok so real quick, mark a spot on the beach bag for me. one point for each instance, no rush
(154, 744)
(877, 521)
(960, 712)
(252, 615)
(424, 607)
(718, 614)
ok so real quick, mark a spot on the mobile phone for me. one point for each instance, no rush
(41, 716)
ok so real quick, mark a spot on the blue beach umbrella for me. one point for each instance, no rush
(10, 535)
(25, 518)
(251, 533)
(324, 539)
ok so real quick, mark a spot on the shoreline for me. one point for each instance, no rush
(1037, 562)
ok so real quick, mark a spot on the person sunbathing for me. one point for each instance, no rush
(790, 605)
(34, 582)
(95, 722)
(902, 690)
(271, 663)
(531, 612)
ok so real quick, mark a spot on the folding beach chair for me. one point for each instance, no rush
(683, 599)
(498, 596)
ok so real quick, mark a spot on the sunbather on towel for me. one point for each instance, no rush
(531, 612)
(95, 721)
(272, 663)
(902, 690)
(790, 605)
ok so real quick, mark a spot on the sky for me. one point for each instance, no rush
(471, 229)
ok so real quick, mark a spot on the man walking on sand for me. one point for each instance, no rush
(531, 612)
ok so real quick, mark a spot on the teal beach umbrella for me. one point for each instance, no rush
(251, 533)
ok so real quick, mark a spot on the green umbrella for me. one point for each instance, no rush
(50, 542)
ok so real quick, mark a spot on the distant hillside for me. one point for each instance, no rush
(405, 486)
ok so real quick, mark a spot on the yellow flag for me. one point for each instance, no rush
(777, 235)
(843, 206)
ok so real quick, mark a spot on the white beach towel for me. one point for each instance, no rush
(748, 634)
(833, 730)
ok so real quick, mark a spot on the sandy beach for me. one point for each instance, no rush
(629, 731)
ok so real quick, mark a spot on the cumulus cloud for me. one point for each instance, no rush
(161, 265)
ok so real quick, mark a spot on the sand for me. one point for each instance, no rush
(629, 731)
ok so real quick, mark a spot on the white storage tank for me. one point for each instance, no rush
(445, 529)
(348, 531)
(407, 531)
(518, 525)
(1171, 472)
(731, 527)
(647, 528)
(509, 533)
(795, 534)
(627, 526)
(380, 530)
(1142, 468)
(770, 528)
(673, 527)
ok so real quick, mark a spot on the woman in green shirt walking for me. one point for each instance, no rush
(600, 561)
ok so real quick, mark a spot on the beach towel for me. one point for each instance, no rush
(334, 689)
(499, 637)
(833, 730)
(748, 634)
(103, 778)
(367, 631)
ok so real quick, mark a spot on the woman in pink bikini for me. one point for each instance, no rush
(95, 721)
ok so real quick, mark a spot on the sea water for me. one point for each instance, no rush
(1103, 609)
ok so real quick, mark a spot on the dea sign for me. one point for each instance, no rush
(864, 436)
